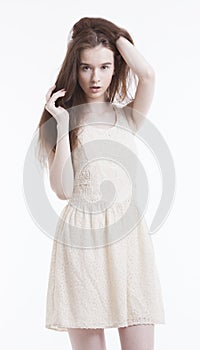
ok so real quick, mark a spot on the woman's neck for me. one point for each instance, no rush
(98, 107)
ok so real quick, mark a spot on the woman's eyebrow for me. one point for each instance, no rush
(102, 64)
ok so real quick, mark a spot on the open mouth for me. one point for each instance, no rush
(95, 88)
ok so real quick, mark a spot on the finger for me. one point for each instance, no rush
(55, 96)
(51, 102)
(48, 95)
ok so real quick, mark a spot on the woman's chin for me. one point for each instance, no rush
(96, 97)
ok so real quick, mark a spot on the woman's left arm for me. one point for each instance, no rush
(146, 81)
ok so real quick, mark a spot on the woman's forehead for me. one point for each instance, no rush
(96, 55)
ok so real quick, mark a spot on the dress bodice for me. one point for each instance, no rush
(101, 162)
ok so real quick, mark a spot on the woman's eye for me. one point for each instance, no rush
(85, 68)
(105, 67)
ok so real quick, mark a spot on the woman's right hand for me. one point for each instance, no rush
(59, 113)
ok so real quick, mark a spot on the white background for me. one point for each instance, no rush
(33, 45)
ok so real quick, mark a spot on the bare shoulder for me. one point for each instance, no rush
(134, 116)
(128, 114)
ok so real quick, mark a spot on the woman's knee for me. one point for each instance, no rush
(137, 337)
(87, 339)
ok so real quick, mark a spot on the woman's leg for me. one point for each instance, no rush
(87, 339)
(137, 337)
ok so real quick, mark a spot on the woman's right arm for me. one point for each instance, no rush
(61, 173)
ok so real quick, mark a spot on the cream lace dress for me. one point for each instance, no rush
(103, 271)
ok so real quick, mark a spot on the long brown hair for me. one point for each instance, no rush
(88, 32)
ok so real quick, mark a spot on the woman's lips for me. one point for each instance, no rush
(95, 88)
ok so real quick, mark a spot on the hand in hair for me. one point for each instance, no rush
(100, 25)
(59, 113)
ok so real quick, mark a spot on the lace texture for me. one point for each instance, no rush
(115, 282)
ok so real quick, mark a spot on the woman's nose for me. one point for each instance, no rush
(95, 77)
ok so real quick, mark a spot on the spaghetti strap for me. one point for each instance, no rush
(122, 118)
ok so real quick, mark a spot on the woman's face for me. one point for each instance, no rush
(95, 72)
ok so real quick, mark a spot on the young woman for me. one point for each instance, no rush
(95, 285)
